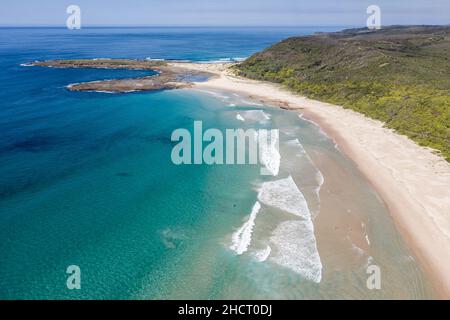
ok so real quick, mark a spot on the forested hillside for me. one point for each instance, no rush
(400, 75)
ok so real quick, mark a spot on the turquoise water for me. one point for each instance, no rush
(111, 202)
(86, 179)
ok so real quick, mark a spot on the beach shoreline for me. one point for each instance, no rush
(413, 181)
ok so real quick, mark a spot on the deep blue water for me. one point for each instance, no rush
(38, 114)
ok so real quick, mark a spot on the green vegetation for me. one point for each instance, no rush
(399, 75)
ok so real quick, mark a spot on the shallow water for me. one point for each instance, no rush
(86, 179)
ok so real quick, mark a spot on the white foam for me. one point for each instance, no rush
(367, 239)
(320, 180)
(104, 91)
(154, 59)
(296, 249)
(302, 152)
(242, 238)
(312, 177)
(320, 129)
(252, 103)
(256, 115)
(239, 117)
(295, 241)
(98, 91)
(296, 143)
(366, 236)
(262, 255)
(224, 60)
(213, 93)
(269, 154)
(285, 195)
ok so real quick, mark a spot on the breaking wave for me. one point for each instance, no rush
(294, 240)
(242, 238)
(284, 194)
(297, 250)
(255, 115)
(262, 255)
(270, 156)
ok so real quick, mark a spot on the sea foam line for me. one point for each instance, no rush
(294, 240)
(270, 156)
(284, 194)
(320, 129)
(213, 93)
(239, 117)
(242, 238)
(256, 115)
(223, 60)
(251, 103)
(262, 255)
(297, 249)
(319, 176)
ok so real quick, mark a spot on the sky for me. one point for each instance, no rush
(223, 12)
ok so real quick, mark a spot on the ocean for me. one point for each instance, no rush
(86, 179)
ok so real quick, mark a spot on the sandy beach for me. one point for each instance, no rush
(413, 181)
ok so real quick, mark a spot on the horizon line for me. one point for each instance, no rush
(93, 26)
(176, 26)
